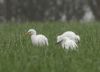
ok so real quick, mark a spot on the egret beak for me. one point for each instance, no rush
(28, 33)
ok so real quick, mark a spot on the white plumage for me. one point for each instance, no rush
(39, 40)
(68, 43)
(68, 40)
(71, 35)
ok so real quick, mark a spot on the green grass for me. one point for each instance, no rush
(17, 54)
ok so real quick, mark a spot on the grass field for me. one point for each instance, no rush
(17, 54)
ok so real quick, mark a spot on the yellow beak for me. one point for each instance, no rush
(28, 33)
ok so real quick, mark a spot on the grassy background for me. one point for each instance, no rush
(17, 54)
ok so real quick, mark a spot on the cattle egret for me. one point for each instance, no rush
(67, 43)
(71, 35)
(38, 40)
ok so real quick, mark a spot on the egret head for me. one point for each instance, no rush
(31, 32)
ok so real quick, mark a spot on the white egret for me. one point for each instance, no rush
(67, 43)
(38, 40)
(71, 35)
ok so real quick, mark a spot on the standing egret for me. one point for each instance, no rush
(38, 40)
